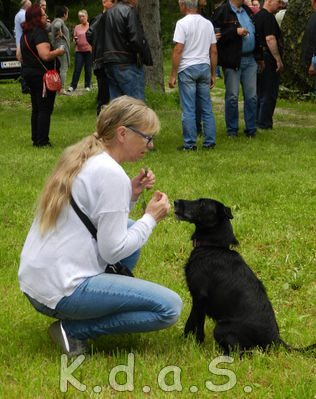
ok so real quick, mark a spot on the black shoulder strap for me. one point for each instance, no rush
(84, 218)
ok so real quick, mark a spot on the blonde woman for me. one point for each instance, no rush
(83, 55)
(62, 266)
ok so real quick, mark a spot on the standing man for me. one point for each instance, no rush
(194, 60)
(309, 45)
(270, 39)
(125, 50)
(18, 20)
(237, 54)
(94, 37)
(60, 37)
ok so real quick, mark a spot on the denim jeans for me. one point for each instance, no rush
(82, 58)
(126, 79)
(115, 304)
(268, 89)
(246, 75)
(194, 88)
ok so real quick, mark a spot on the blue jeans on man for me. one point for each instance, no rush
(126, 79)
(194, 88)
(246, 75)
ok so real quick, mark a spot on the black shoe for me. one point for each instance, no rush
(48, 144)
(250, 134)
(209, 147)
(184, 148)
(264, 127)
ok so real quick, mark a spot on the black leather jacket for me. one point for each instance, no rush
(230, 44)
(123, 39)
(93, 36)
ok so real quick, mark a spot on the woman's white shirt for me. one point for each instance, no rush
(53, 265)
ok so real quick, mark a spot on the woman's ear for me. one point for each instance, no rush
(121, 134)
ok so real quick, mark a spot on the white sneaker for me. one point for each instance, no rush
(87, 88)
(70, 89)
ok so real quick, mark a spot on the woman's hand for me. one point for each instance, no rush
(158, 207)
(145, 178)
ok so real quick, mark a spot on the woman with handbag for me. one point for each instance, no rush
(62, 264)
(37, 56)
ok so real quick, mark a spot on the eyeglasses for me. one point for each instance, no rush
(148, 138)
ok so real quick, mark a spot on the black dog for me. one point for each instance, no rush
(221, 283)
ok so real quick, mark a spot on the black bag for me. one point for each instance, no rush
(117, 268)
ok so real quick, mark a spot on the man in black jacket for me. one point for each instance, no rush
(237, 54)
(270, 37)
(125, 50)
(94, 38)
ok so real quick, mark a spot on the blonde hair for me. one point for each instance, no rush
(123, 111)
(83, 12)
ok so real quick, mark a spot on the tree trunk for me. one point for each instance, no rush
(293, 26)
(8, 13)
(150, 17)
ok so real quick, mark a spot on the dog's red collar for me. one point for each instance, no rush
(200, 243)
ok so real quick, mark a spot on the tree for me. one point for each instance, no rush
(7, 12)
(150, 17)
(293, 27)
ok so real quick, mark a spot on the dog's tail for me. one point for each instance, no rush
(304, 349)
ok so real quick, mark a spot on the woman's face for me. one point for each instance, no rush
(83, 18)
(135, 145)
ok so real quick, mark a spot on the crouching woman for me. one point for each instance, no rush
(62, 266)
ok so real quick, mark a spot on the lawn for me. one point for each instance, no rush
(269, 183)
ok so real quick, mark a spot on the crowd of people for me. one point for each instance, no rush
(77, 261)
(243, 37)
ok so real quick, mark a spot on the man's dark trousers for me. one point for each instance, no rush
(267, 92)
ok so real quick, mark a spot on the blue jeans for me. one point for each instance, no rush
(268, 89)
(82, 58)
(194, 90)
(246, 75)
(126, 79)
(115, 304)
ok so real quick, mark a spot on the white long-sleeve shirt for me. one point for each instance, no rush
(18, 20)
(53, 265)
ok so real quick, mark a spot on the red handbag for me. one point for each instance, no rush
(51, 78)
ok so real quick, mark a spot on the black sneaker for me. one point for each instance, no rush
(69, 345)
(208, 147)
(184, 148)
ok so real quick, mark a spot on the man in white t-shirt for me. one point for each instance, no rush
(194, 61)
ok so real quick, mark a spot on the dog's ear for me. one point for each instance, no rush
(228, 212)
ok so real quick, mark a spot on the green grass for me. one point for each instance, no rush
(269, 182)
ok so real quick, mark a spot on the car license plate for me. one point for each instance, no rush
(10, 64)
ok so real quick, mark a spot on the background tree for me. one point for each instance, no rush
(150, 17)
(293, 27)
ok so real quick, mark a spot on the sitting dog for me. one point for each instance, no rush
(222, 285)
